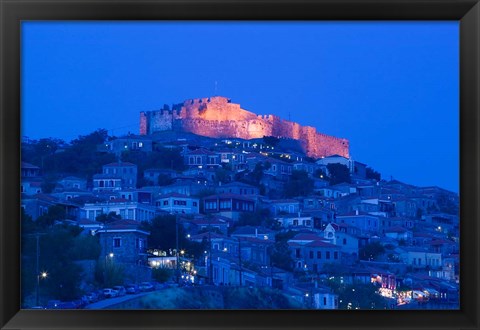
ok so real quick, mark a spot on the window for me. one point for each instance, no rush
(319, 254)
(344, 241)
(324, 301)
(297, 253)
(117, 242)
(311, 254)
(335, 255)
(225, 204)
(194, 203)
(165, 203)
(327, 254)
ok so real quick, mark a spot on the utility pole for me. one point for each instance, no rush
(210, 265)
(178, 252)
(240, 259)
(37, 271)
(37, 267)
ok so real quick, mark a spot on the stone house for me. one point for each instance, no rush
(127, 172)
(123, 241)
(178, 203)
(201, 158)
(229, 205)
(125, 208)
(238, 188)
(127, 143)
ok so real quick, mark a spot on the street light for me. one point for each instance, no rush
(42, 275)
(108, 256)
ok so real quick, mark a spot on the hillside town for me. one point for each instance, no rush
(138, 215)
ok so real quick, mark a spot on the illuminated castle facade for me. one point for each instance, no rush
(218, 117)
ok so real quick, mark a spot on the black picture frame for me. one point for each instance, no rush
(467, 12)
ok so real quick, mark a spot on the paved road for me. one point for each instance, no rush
(103, 304)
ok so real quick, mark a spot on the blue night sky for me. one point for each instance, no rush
(391, 88)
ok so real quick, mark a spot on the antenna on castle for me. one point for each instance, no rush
(289, 116)
(216, 85)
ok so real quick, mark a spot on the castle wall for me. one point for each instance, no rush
(143, 123)
(218, 117)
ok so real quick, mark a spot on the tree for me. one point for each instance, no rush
(359, 296)
(261, 217)
(339, 173)
(222, 175)
(56, 256)
(109, 273)
(162, 274)
(81, 157)
(271, 141)
(54, 213)
(164, 179)
(107, 218)
(48, 183)
(163, 232)
(280, 254)
(320, 174)
(299, 184)
(372, 174)
(86, 247)
(371, 251)
(163, 236)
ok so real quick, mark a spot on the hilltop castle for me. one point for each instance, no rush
(218, 117)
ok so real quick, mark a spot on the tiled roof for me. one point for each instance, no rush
(235, 184)
(28, 165)
(88, 222)
(306, 237)
(123, 224)
(441, 242)
(207, 235)
(282, 201)
(106, 176)
(173, 194)
(320, 243)
(230, 196)
(396, 229)
(120, 164)
(250, 230)
(202, 152)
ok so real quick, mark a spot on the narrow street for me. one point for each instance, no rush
(106, 303)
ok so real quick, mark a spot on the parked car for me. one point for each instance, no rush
(100, 295)
(131, 288)
(110, 293)
(145, 286)
(121, 290)
(92, 297)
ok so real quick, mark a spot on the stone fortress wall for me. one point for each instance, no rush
(220, 118)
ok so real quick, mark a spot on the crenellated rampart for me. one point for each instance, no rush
(219, 117)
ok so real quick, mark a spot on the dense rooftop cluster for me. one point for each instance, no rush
(328, 233)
